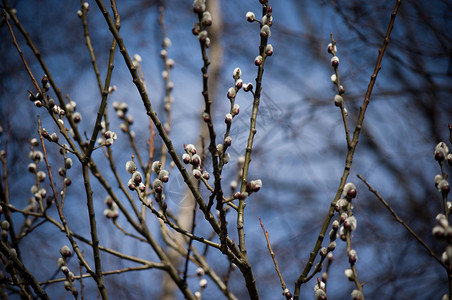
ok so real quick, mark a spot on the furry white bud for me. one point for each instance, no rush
(130, 167)
(349, 274)
(250, 16)
(237, 73)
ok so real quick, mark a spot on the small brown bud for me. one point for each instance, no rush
(67, 181)
(44, 80)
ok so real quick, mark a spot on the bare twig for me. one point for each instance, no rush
(89, 44)
(283, 284)
(398, 219)
(97, 276)
(118, 271)
(115, 222)
(35, 83)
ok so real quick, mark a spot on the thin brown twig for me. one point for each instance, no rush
(89, 44)
(401, 221)
(283, 284)
(115, 222)
(338, 85)
(35, 83)
(97, 276)
(174, 226)
(102, 248)
(118, 271)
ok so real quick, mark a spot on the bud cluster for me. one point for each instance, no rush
(136, 60)
(265, 32)
(191, 157)
(67, 164)
(169, 85)
(121, 109)
(71, 111)
(443, 230)
(168, 64)
(221, 149)
(66, 252)
(84, 9)
(441, 153)
(234, 111)
(327, 252)
(51, 137)
(205, 20)
(338, 98)
(112, 211)
(287, 294)
(136, 179)
(253, 186)
(320, 290)
(157, 184)
(442, 184)
(39, 193)
(40, 99)
(202, 282)
(43, 100)
(344, 208)
(357, 295)
(5, 228)
(110, 137)
(349, 223)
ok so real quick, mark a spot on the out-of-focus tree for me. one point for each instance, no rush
(299, 151)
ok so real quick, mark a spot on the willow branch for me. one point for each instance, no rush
(252, 133)
(349, 158)
(59, 207)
